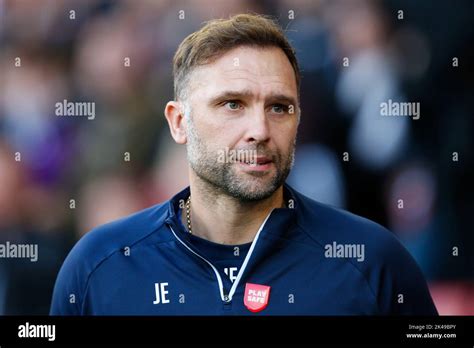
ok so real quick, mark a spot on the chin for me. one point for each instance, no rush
(253, 193)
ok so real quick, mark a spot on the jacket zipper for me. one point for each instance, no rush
(227, 298)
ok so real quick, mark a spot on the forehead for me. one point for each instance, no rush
(263, 71)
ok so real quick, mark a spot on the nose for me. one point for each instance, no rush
(258, 128)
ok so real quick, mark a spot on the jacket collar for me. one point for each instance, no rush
(277, 224)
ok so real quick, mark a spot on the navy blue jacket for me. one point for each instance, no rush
(315, 259)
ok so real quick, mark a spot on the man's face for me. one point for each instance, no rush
(244, 107)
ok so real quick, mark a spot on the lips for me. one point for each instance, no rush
(258, 161)
(257, 166)
(263, 160)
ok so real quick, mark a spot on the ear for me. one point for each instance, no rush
(174, 113)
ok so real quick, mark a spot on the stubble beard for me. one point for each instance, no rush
(226, 178)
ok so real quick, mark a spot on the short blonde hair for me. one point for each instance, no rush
(219, 36)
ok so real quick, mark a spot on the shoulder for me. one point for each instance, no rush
(331, 226)
(327, 224)
(105, 240)
(100, 244)
(387, 267)
(125, 232)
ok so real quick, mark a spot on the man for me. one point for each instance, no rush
(239, 240)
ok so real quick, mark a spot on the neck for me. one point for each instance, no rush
(223, 219)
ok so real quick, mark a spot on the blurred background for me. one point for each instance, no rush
(73, 173)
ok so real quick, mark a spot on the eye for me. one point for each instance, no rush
(279, 108)
(232, 105)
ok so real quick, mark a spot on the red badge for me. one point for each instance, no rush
(256, 297)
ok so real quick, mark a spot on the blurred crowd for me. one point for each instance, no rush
(62, 176)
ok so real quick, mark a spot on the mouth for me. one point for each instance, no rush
(258, 164)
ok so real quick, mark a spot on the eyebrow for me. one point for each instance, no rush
(230, 95)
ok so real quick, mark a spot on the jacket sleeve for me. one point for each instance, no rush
(401, 286)
(68, 294)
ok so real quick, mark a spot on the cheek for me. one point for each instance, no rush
(284, 135)
(216, 135)
(218, 132)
